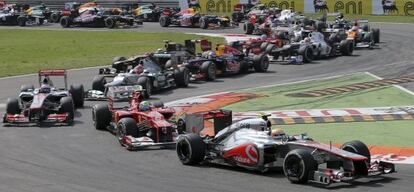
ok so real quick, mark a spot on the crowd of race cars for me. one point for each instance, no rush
(249, 143)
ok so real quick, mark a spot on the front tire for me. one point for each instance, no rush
(65, 21)
(191, 149)
(248, 28)
(164, 21)
(67, 106)
(126, 127)
(357, 147)
(209, 69)
(78, 95)
(101, 116)
(12, 106)
(298, 165)
(110, 23)
(260, 63)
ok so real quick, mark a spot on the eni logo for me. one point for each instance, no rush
(222, 6)
(350, 7)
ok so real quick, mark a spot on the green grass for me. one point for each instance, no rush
(385, 133)
(27, 51)
(371, 18)
(276, 98)
(382, 133)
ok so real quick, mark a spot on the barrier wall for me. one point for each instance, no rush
(356, 7)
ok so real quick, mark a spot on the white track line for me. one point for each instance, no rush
(397, 86)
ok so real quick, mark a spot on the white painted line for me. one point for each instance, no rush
(397, 86)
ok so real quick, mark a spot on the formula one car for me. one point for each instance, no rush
(109, 18)
(45, 104)
(140, 125)
(148, 12)
(33, 15)
(363, 37)
(244, 11)
(149, 71)
(69, 8)
(224, 60)
(251, 144)
(8, 15)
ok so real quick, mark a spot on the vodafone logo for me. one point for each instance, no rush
(251, 153)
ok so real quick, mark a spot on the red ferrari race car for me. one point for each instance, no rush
(141, 125)
(250, 143)
(45, 104)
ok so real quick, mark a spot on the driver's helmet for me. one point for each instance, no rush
(354, 28)
(138, 69)
(45, 81)
(263, 37)
(278, 134)
(208, 54)
(45, 88)
(365, 28)
(144, 106)
(307, 39)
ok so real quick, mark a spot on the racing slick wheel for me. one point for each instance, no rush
(307, 53)
(77, 92)
(126, 126)
(346, 47)
(66, 106)
(298, 164)
(12, 106)
(376, 34)
(146, 84)
(65, 21)
(101, 116)
(248, 28)
(191, 149)
(209, 69)
(98, 83)
(260, 63)
(21, 21)
(182, 77)
(204, 22)
(110, 22)
(165, 21)
(357, 147)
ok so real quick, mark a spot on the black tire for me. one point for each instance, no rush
(146, 84)
(164, 21)
(126, 126)
(203, 23)
(307, 53)
(244, 67)
(182, 77)
(263, 46)
(110, 23)
(41, 21)
(346, 47)
(78, 95)
(98, 83)
(65, 22)
(248, 28)
(21, 21)
(191, 149)
(209, 68)
(376, 34)
(236, 17)
(12, 106)
(158, 104)
(260, 63)
(101, 116)
(269, 48)
(298, 165)
(357, 147)
(66, 106)
(25, 88)
(54, 17)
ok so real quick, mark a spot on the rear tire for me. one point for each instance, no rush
(65, 22)
(307, 53)
(346, 47)
(98, 83)
(110, 23)
(376, 34)
(21, 21)
(182, 77)
(78, 95)
(191, 149)
(146, 84)
(12, 106)
(298, 165)
(101, 116)
(164, 21)
(209, 69)
(248, 28)
(260, 63)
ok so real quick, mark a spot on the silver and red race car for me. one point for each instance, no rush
(47, 103)
(251, 144)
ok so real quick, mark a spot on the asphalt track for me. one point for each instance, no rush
(80, 158)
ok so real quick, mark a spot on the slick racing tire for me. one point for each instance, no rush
(110, 23)
(26, 88)
(65, 22)
(126, 126)
(209, 69)
(260, 63)
(307, 53)
(54, 17)
(12, 106)
(244, 67)
(66, 106)
(357, 147)
(346, 47)
(165, 21)
(98, 83)
(376, 34)
(203, 23)
(182, 77)
(248, 28)
(191, 149)
(146, 84)
(21, 21)
(101, 116)
(78, 95)
(158, 104)
(298, 165)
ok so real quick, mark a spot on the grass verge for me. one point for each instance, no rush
(27, 51)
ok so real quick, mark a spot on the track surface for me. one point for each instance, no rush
(79, 158)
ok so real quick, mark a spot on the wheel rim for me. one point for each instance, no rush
(293, 167)
(121, 132)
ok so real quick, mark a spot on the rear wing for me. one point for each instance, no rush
(195, 122)
(46, 73)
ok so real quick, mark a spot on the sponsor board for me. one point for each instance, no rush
(357, 7)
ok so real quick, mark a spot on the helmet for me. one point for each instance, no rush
(45, 88)
(138, 69)
(278, 134)
(208, 54)
(365, 28)
(354, 28)
(144, 106)
(263, 37)
(307, 39)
